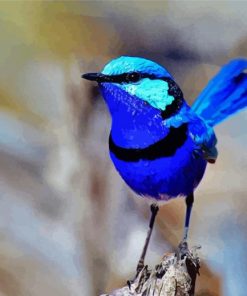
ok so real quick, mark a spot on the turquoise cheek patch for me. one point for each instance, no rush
(154, 92)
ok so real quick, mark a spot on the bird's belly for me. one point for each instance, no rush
(166, 177)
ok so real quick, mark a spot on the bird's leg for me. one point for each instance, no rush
(189, 203)
(154, 210)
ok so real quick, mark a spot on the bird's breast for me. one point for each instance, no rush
(166, 168)
(165, 147)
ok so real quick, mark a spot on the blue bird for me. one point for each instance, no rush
(159, 145)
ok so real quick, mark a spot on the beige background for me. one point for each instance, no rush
(68, 224)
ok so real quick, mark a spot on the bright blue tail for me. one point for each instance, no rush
(225, 94)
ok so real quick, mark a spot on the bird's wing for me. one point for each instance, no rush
(204, 138)
(199, 130)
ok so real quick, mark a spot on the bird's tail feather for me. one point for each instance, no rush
(225, 94)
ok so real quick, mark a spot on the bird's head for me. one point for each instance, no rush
(138, 78)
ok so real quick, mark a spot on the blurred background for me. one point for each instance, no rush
(68, 224)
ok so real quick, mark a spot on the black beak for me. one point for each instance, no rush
(98, 77)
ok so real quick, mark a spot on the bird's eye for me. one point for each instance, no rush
(133, 77)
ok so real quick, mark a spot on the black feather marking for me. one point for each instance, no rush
(177, 103)
(240, 77)
(166, 147)
(173, 89)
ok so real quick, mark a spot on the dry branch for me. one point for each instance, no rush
(175, 275)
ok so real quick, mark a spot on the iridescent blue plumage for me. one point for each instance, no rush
(137, 123)
(159, 145)
(225, 94)
(141, 126)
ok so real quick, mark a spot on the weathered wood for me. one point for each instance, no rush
(175, 275)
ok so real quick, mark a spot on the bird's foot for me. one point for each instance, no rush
(139, 268)
(183, 253)
(182, 249)
(140, 278)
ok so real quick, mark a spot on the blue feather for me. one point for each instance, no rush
(225, 94)
(165, 157)
(136, 124)
(158, 144)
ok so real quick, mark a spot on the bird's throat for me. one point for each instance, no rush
(135, 123)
